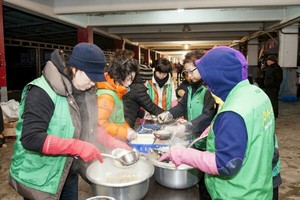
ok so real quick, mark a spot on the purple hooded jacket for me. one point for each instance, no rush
(222, 68)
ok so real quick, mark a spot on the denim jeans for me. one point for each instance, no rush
(70, 189)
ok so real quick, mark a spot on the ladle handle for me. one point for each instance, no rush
(108, 156)
(196, 140)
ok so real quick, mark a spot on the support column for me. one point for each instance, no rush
(147, 56)
(85, 34)
(120, 44)
(152, 57)
(137, 53)
(3, 82)
(287, 59)
(157, 55)
(252, 57)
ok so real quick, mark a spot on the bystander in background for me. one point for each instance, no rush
(273, 79)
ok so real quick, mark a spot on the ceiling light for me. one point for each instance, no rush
(186, 46)
(186, 28)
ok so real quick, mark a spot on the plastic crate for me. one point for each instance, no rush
(289, 99)
(150, 127)
(144, 148)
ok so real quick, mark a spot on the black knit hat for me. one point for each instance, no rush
(145, 72)
(89, 58)
(272, 58)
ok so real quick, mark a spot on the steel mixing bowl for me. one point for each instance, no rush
(163, 134)
(120, 183)
(170, 176)
(177, 178)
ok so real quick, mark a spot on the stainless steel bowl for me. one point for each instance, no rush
(163, 134)
(120, 183)
(181, 177)
(177, 178)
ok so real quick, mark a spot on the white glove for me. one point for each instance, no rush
(182, 120)
(147, 116)
(165, 117)
(131, 134)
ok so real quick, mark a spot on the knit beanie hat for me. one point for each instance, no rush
(272, 58)
(90, 59)
(146, 73)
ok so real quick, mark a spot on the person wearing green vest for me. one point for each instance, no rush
(161, 88)
(277, 181)
(240, 144)
(197, 105)
(119, 76)
(49, 127)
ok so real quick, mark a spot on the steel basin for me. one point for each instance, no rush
(181, 177)
(177, 179)
(121, 183)
(163, 134)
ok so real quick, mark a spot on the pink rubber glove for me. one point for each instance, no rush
(174, 103)
(203, 160)
(54, 145)
(142, 121)
(109, 141)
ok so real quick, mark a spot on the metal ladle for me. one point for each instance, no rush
(127, 159)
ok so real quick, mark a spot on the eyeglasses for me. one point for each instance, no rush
(189, 71)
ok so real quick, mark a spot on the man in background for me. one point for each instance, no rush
(273, 79)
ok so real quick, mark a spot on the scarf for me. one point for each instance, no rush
(161, 82)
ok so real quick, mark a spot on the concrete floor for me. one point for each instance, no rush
(288, 133)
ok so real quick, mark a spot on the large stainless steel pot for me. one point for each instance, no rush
(121, 183)
(180, 177)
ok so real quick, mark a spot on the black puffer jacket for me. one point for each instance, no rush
(136, 98)
(273, 76)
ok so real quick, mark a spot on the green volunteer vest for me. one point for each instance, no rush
(254, 180)
(276, 169)
(194, 109)
(167, 88)
(117, 115)
(195, 102)
(32, 169)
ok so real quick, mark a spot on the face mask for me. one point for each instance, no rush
(81, 81)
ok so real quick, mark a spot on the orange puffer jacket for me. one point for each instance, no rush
(106, 106)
